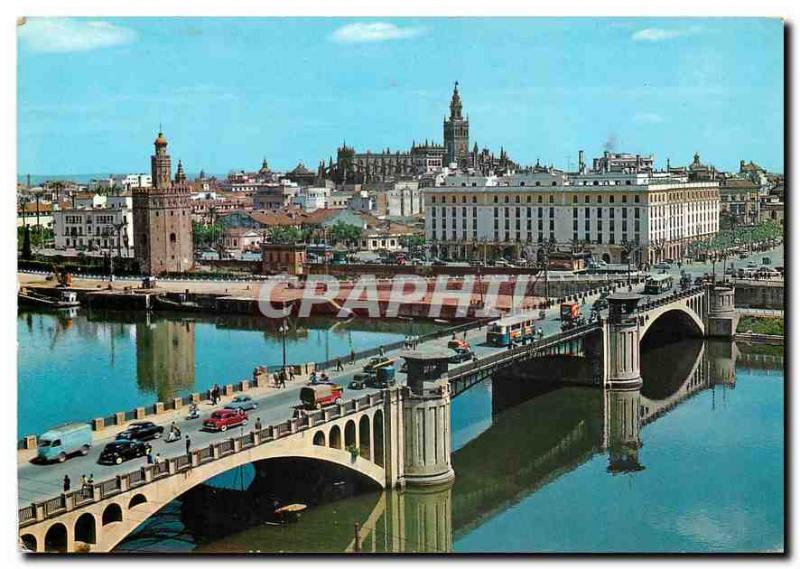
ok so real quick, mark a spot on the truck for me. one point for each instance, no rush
(318, 396)
(63, 441)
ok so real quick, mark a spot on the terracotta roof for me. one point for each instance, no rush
(30, 207)
(240, 231)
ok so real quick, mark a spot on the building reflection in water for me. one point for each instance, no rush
(165, 356)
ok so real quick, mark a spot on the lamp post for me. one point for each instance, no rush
(283, 329)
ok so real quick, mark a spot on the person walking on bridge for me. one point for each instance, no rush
(66, 483)
(352, 357)
(339, 366)
(258, 423)
(188, 445)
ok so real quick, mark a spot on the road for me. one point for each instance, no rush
(42, 481)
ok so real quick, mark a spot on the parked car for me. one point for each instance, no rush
(122, 450)
(663, 265)
(60, 442)
(243, 402)
(224, 418)
(359, 381)
(141, 431)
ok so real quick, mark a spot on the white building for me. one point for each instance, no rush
(599, 212)
(98, 228)
(311, 199)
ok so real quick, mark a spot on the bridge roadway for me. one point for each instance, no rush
(39, 482)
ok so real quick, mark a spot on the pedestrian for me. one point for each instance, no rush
(149, 455)
(90, 482)
(158, 458)
(352, 357)
(258, 423)
(283, 379)
(339, 366)
(83, 481)
(188, 444)
(66, 483)
(291, 374)
(380, 351)
(465, 334)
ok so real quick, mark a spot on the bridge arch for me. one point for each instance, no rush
(364, 438)
(377, 434)
(56, 540)
(112, 514)
(29, 541)
(350, 433)
(136, 500)
(677, 320)
(319, 438)
(335, 437)
(86, 528)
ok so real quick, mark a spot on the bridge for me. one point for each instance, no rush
(396, 437)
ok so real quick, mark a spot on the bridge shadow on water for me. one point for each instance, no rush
(532, 429)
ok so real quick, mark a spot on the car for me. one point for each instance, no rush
(63, 441)
(359, 381)
(121, 450)
(460, 355)
(224, 418)
(243, 402)
(663, 266)
(141, 431)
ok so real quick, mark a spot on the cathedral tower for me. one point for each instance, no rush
(162, 218)
(456, 132)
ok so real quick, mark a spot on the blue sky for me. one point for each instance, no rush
(92, 92)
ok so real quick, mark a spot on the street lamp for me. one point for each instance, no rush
(283, 330)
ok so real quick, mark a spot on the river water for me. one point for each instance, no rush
(89, 364)
(693, 462)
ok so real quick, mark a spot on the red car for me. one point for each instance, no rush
(224, 418)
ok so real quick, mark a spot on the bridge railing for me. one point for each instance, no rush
(519, 351)
(670, 298)
(139, 477)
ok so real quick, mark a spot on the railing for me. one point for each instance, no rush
(138, 477)
(520, 351)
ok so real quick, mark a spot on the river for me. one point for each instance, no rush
(74, 367)
(692, 462)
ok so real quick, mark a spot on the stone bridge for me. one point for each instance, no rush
(380, 436)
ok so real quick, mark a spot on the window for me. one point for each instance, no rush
(495, 199)
(474, 199)
(610, 199)
(586, 199)
(636, 198)
(574, 199)
(624, 199)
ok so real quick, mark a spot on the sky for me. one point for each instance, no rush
(91, 93)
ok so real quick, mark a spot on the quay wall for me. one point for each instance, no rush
(759, 294)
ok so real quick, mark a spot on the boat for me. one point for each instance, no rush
(64, 301)
(164, 303)
(290, 513)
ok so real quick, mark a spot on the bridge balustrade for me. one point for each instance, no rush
(206, 454)
(101, 490)
(136, 478)
(182, 462)
(28, 513)
(54, 505)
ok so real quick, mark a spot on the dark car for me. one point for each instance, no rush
(460, 355)
(142, 431)
(122, 450)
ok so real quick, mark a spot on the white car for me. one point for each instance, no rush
(243, 402)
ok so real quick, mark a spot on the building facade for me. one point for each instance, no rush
(162, 218)
(107, 228)
(610, 215)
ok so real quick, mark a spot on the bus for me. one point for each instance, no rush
(511, 329)
(658, 284)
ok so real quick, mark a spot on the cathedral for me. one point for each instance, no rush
(353, 167)
(162, 218)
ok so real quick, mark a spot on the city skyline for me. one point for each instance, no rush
(303, 86)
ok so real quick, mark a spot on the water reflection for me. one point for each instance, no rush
(523, 450)
(165, 357)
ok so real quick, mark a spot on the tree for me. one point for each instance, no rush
(26, 243)
(285, 234)
(206, 235)
(344, 232)
(412, 241)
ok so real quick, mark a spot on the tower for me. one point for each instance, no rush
(162, 218)
(456, 132)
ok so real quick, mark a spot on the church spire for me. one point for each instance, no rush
(455, 104)
(180, 176)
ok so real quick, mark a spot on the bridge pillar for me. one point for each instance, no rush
(623, 356)
(722, 319)
(622, 342)
(426, 436)
(622, 425)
